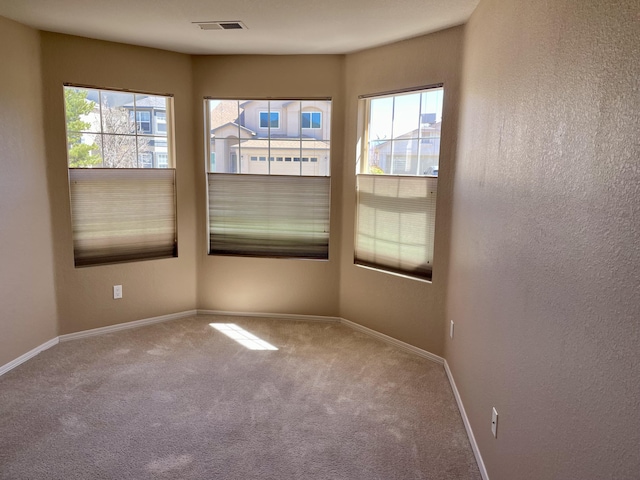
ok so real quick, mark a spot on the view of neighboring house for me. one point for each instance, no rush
(126, 130)
(412, 153)
(150, 114)
(277, 137)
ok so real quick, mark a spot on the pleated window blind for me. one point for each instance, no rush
(121, 215)
(396, 223)
(269, 215)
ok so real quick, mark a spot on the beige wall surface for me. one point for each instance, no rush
(28, 317)
(545, 257)
(150, 288)
(261, 284)
(406, 309)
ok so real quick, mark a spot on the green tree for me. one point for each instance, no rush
(76, 105)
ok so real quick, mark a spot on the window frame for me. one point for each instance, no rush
(270, 158)
(269, 113)
(362, 165)
(167, 148)
(310, 113)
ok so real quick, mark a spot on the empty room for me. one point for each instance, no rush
(346, 240)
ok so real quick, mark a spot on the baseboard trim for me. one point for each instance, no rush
(393, 341)
(467, 424)
(286, 316)
(27, 356)
(126, 326)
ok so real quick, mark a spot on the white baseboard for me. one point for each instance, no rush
(30, 354)
(398, 343)
(286, 316)
(467, 425)
(125, 326)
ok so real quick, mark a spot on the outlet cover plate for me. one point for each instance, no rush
(117, 291)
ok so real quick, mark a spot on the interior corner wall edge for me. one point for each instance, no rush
(150, 288)
(27, 295)
(409, 310)
(544, 277)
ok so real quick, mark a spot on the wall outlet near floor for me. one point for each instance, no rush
(451, 329)
(494, 422)
(117, 291)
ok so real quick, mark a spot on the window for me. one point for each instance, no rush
(122, 205)
(161, 122)
(311, 119)
(269, 120)
(143, 121)
(274, 208)
(163, 160)
(397, 181)
(145, 160)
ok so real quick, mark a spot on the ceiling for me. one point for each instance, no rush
(273, 26)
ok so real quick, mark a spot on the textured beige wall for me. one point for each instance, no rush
(545, 257)
(150, 288)
(28, 313)
(406, 309)
(262, 284)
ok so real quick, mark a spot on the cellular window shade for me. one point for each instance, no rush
(269, 216)
(396, 223)
(121, 215)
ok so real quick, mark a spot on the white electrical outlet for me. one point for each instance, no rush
(117, 291)
(451, 330)
(494, 422)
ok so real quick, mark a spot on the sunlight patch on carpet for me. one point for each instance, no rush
(244, 338)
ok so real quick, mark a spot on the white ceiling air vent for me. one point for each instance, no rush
(229, 25)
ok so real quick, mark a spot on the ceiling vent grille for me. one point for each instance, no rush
(230, 25)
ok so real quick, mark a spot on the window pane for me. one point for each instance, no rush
(432, 105)
(288, 150)
(119, 151)
(82, 115)
(146, 150)
(315, 158)
(118, 112)
(405, 157)
(82, 109)
(380, 119)
(406, 116)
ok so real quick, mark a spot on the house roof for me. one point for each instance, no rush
(234, 124)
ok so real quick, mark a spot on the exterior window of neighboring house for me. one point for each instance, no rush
(145, 160)
(143, 121)
(122, 205)
(397, 180)
(269, 119)
(276, 208)
(163, 160)
(161, 121)
(311, 120)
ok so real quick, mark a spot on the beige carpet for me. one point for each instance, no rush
(182, 400)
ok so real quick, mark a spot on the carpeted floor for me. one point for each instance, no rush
(181, 400)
